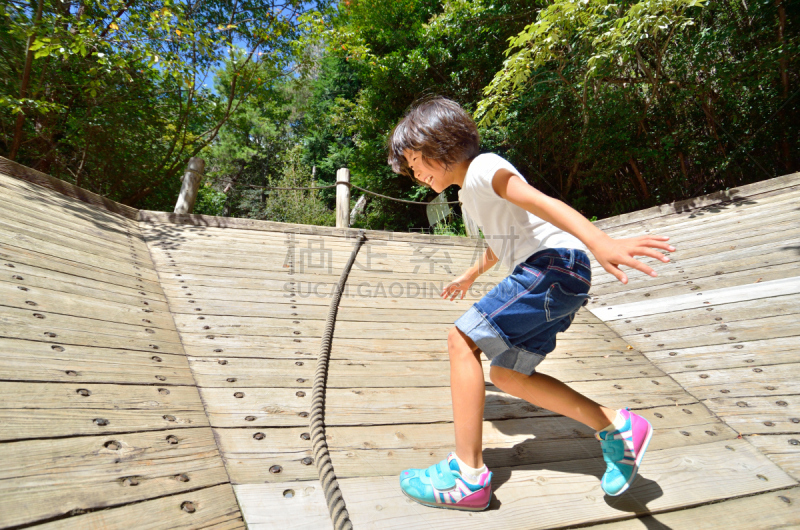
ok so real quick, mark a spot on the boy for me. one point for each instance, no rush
(543, 243)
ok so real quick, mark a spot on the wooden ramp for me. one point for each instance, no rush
(168, 373)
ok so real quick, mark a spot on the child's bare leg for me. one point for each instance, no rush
(468, 392)
(551, 394)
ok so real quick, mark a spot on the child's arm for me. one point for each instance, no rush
(610, 253)
(463, 282)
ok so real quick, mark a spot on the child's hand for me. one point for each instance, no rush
(611, 253)
(459, 285)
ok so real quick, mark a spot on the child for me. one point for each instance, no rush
(543, 243)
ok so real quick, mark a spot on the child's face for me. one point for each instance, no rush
(431, 173)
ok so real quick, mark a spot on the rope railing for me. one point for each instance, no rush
(348, 184)
(322, 458)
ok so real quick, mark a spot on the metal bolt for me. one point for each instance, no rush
(725, 391)
(301, 380)
(31, 303)
(100, 421)
(275, 469)
(206, 327)
(673, 353)
(658, 415)
(161, 378)
(163, 391)
(685, 433)
(218, 350)
(300, 393)
(50, 334)
(231, 379)
(130, 481)
(183, 477)
(769, 424)
(305, 436)
(169, 417)
(238, 395)
(21, 288)
(71, 372)
(84, 392)
(303, 414)
(156, 358)
(210, 337)
(792, 441)
(38, 315)
(58, 348)
(703, 376)
(687, 411)
(249, 418)
(299, 363)
(172, 439)
(222, 362)
(296, 332)
(711, 433)
(259, 436)
(757, 370)
(741, 403)
(188, 507)
(113, 445)
(307, 461)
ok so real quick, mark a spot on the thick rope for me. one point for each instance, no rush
(404, 201)
(333, 496)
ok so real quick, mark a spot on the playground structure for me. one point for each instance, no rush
(157, 370)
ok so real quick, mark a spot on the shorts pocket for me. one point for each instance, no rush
(559, 303)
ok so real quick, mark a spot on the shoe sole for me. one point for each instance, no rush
(639, 459)
(445, 506)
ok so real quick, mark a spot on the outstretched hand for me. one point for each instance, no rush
(611, 253)
(459, 285)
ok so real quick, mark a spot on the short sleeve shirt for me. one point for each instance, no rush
(511, 232)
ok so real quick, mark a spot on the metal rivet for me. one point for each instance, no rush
(191, 301)
(305, 436)
(38, 315)
(769, 424)
(156, 358)
(148, 330)
(201, 318)
(57, 348)
(198, 308)
(154, 346)
(741, 403)
(298, 340)
(238, 395)
(300, 393)
(303, 414)
(299, 363)
(301, 380)
(685, 433)
(188, 507)
(792, 441)
(770, 388)
(113, 445)
(294, 307)
(31, 303)
(638, 329)
(210, 337)
(647, 335)
(218, 350)
(658, 415)
(718, 319)
(703, 376)
(618, 387)
(288, 493)
(163, 391)
(781, 403)
(785, 499)
(294, 315)
(206, 327)
(687, 411)
(275, 469)
(673, 353)
(711, 433)
(795, 420)
(169, 417)
(84, 392)
(222, 361)
(296, 332)
(130, 481)
(307, 461)
(183, 477)
(9, 265)
(725, 391)
(731, 338)
(231, 379)
(146, 321)
(757, 370)
(17, 277)
(762, 477)
(102, 422)
(71, 372)
(161, 378)
(21, 288)
(259, 436)
(172, 439)
(50, 334)
(655, 383)
(750, 360)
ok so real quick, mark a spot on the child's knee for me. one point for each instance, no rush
(500, 376)
(459, 344)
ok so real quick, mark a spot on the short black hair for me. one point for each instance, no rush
(439, 129)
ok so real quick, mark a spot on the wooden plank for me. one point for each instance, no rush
(23, 323)
(688, 207)
(762, 352)
(777, 509)
(299, 505)
(721, 316)
(740, 382)
(41, 410)
(250, 372)
(214, 507)
(777, 413)
(25, 360)
(783, 449)
(714, 297)
(74, 304)
(274, 407)
(51, 478)
(18, 171)
(732, 332)
(562, 494)
(385, 450)
(49, 266)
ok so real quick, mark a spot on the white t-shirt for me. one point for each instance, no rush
(511, 232)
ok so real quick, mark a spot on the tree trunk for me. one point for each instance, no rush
(23, 87)
(639, 178)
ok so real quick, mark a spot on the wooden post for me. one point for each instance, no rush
(191, 182)
(343, 198)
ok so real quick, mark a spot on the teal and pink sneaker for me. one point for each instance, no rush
(623, 451)
(442, 486)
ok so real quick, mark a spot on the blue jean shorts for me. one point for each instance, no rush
(516, 323)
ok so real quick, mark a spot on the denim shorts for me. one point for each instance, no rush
(516, 323)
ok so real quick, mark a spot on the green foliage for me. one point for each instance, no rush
(210, 201)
